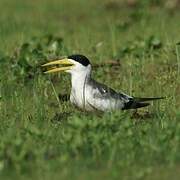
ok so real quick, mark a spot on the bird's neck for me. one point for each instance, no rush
(78, 90)
(80, 79)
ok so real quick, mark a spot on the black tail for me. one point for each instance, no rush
(139, 102)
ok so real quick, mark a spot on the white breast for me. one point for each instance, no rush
(79, 89)
(83, 97)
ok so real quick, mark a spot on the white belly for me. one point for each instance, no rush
(81, 100)
(86, 101)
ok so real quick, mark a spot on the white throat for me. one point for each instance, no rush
(79, 80)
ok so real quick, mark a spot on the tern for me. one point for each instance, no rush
(90, 95)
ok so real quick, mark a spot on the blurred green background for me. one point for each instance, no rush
(45, 137)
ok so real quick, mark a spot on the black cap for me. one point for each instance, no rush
(80, 58)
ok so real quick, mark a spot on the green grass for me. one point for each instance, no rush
(43, 137)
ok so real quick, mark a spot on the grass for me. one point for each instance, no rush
(43, 137)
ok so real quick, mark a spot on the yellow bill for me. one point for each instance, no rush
(54, 64)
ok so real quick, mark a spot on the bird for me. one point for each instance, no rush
(88, 94)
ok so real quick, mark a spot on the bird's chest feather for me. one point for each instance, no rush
(80, 95)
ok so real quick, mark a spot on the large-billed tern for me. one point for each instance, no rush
(90, 95)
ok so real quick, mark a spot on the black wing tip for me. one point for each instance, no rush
(136, 102)
(148, 99)
(134, 105)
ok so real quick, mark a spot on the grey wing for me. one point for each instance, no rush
(105, 98)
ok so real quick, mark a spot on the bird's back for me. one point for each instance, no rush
(101, 97)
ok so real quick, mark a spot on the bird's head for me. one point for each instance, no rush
(74, 64)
